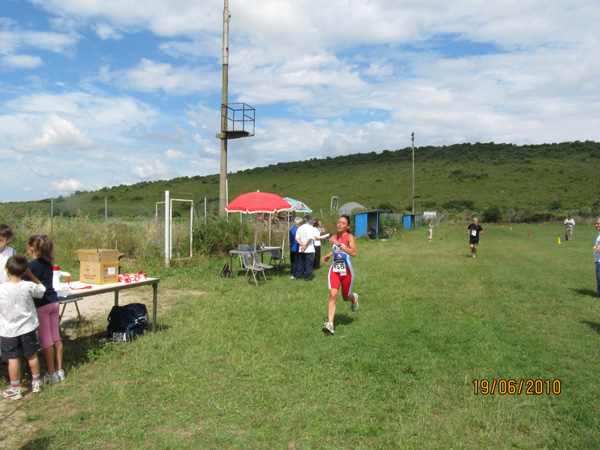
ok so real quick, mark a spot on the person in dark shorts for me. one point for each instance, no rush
(18, 324)
(474, 231)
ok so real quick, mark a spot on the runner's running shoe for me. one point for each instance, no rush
(354, 305)
(328, 328)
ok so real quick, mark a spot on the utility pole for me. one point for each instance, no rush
(237, 119)
(224, 100)
(413, 172)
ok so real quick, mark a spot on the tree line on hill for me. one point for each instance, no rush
(497, 181)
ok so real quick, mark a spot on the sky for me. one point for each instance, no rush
(97, 93)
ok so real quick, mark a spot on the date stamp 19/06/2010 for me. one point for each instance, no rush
(517, 387)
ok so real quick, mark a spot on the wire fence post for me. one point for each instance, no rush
(167, 229)
(52, 218)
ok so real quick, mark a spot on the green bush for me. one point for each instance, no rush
(220, 235)
(386, 206)
(459, 205)
(492, 214)
(539, 217)
(555, 205)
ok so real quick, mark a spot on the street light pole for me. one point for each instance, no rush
(413, 172)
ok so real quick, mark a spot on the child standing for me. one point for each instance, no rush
(18, 322)
(41, 249)
(5, 251)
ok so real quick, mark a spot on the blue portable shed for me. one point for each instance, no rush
(412, 221)
(370, 224)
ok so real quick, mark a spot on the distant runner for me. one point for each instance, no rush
(474, 231)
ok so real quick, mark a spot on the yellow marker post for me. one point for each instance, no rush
(558, 241)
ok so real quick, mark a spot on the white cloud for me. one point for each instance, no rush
(41, 171)
(61, 118)
(13, 38)
(150, 76)
(20, 61)
(57, 133)
(53, 42)
(165, 18)
(67, 186)
(106, 31)
(152, 169)
(173, 154)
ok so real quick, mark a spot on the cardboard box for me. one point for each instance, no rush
(99, 266)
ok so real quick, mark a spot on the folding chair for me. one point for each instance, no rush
(276, 255)
(258, 263)
(251, 267)
(245, 248)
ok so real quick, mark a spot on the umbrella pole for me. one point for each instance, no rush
(255, 230)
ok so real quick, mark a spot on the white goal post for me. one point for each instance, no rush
(169, 225)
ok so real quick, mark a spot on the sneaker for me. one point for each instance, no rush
(61, 375)
(328, 328)
(50, 379)
(36, 388)
(354, 305)
(12, 394)
(474, 255)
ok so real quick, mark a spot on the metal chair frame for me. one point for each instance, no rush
(250, 267)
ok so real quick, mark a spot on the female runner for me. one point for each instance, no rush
(341, 272)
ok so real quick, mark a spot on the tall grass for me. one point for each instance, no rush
(141, 241)
(248, 367)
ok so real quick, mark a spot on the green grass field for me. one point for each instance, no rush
(247, 367)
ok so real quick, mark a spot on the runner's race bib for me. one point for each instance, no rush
(339, 265)
(473, 233)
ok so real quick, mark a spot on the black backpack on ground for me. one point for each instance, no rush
(127, 322)
(226, 272)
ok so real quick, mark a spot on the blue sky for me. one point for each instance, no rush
(105, 92)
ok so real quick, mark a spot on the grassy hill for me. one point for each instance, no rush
(516, 180)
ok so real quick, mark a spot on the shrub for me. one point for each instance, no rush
(220, 235)
(555, 205)
(492, 214)
(387, 206)
(459, 205)
(538, 217)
